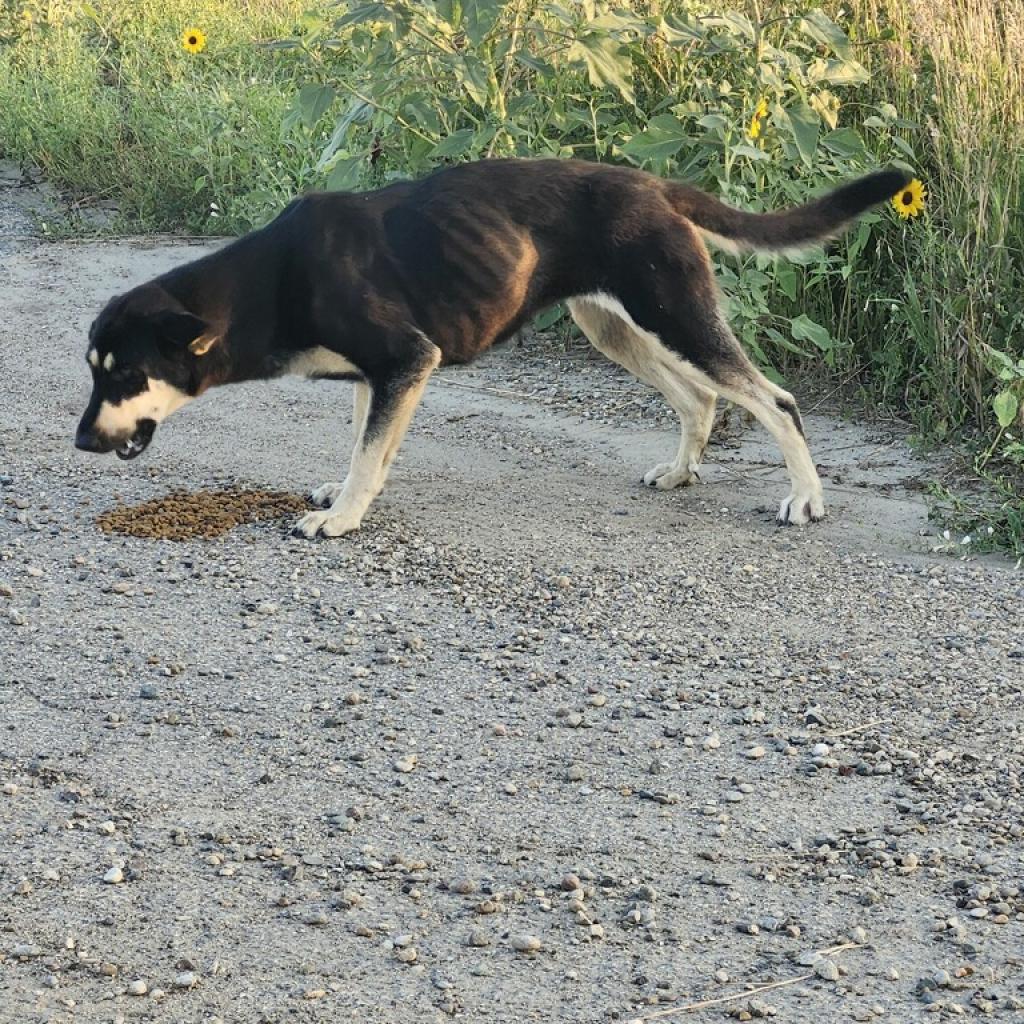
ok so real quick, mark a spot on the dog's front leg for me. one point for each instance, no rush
(327, 494)
(392, 402)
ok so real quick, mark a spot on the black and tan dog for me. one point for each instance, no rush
(383, 287)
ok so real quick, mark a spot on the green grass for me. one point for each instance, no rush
(104, 99)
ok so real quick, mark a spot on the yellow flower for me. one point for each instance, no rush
(193, 40)
(909, 201)
(760, 113)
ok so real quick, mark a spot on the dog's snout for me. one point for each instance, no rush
(87, 440)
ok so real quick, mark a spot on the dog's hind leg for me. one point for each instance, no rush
(326, 494)
(674, 308)
(694, 403)
(392, 401)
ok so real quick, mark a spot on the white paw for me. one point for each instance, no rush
(667, 475)
(325, 524)
(326, 495)
(799, 509)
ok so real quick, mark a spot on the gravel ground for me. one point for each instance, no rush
(537, 744)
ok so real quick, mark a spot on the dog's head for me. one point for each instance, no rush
(146, 354)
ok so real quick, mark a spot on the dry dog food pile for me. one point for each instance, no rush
(204, 514)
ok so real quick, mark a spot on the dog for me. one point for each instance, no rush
(381, 288)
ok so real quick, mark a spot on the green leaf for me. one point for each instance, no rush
(472, 75)
(785, 278)
(738, 25)
(844, 142)
(528, 60)
(805, 124)
(822, 29)
(660, 140)
(364, 13)
(803, 328)
(713, 121)
(1005, 405)
(479, 17)
(313, 102)
(838, 72)
(904, 147)
(448, 12)
(750, 151)
(345, 174)
(455, 145)
(549, 317)
(357, 111)
(783, 342)
(678, 30)
(608, 62)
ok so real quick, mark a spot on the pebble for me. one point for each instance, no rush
(479, 938)
(827, 969)
(712, 742)
(463, 886)
(820, 750)
(755, 753)
(522, 942)
(187, 979)
(149, 691)
(26, 950)
(576, 773)
(406, 955)
(10, 789)
(405, 764)
(114, 876)
(138, 988)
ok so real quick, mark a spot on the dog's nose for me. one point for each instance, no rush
(89, 441)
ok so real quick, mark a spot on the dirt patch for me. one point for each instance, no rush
(200, 515)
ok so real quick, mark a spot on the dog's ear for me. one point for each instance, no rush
(183, 330)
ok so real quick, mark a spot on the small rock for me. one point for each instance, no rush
(114, 876)
(26, 950)
(138, 988)
(186, 980)
(827, 970)
(405, 764)
(479, 938)
(524, 943)
(755, 753)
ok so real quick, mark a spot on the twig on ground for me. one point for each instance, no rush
(857, 728)
(504, 393)
(704, 1003)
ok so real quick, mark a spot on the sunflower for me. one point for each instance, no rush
(760, 113)
(193, 40)
(909, 201)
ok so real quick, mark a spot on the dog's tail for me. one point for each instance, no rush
(816, 221)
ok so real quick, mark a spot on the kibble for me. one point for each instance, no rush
(201, 515)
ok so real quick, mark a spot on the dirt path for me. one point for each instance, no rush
(741, 743)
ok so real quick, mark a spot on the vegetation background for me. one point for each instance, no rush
(763, 102)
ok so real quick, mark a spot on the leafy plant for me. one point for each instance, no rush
(750, 109)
